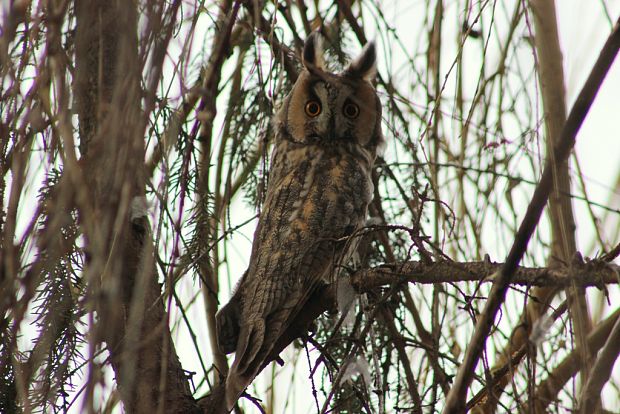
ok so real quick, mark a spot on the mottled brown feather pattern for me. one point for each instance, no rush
(318, 194)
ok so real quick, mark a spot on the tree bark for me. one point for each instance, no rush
(120, 268)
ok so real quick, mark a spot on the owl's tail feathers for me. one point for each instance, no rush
(246, 366)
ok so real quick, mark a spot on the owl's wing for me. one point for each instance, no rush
(308, 210)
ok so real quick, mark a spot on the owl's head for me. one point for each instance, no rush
(332, 109)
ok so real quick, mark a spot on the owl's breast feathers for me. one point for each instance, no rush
(315, 199)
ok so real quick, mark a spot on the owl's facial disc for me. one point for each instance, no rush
(334, 111)
(330, 109)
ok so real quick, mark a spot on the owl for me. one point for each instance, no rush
(327, 134)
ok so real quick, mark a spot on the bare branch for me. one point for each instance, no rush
(207, 224)
(592, 274)
(601, 371)
(456, 398)
(324, 299)
(562, 220)
(547, 390)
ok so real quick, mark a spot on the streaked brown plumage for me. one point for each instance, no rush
(327, 133)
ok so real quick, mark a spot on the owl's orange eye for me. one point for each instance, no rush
(351, 110)
(313, 108)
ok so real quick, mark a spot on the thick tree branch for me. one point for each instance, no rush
(594, 273)
(455, 401)
(324, 299)
(561, 218)
(132, 320)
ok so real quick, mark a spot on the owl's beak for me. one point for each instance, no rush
(331, 131)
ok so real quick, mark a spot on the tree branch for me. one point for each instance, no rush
(561, 217)
(486, 400)
(601, 371)
(594, 273)
(455, 401)
(206, 228)
(547, 390)
(324, 299)
(123, 284)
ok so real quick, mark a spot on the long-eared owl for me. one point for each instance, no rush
(327, 134)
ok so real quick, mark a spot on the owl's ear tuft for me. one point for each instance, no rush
(365, 65)
(313, 52)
